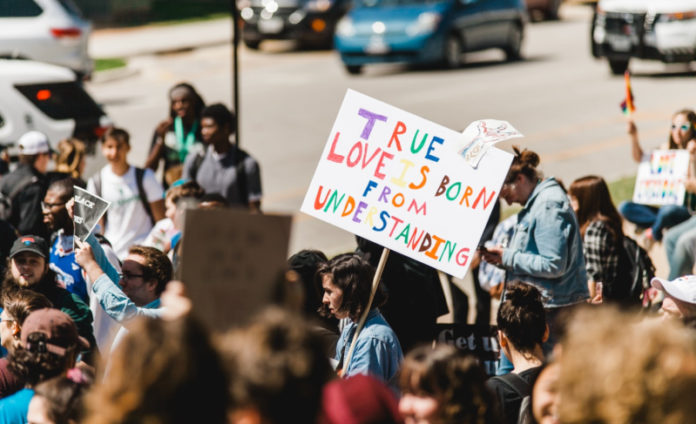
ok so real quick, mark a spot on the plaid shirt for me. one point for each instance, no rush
(601, 255)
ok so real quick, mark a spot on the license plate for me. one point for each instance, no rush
(270, 26)
(620, 44)
(377, 46)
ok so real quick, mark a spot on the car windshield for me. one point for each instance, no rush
(390, 3)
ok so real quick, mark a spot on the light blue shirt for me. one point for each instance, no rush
(377, 351)
(546, 248)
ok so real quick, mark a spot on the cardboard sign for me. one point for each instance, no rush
(400, 181)
(89, 208)
(660, 180)
(231, 262)
(480, 341)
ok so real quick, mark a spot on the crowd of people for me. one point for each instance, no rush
(96, 331)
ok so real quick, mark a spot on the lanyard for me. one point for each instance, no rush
(184, 141)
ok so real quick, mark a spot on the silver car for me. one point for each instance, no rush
(51, 31)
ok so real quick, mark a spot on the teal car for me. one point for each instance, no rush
(428, 31)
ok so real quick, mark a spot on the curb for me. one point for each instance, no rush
(116, 74)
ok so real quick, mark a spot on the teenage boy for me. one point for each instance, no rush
(135, 195)
(26, 185)
(224, 168)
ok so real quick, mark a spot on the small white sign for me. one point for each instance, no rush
(660, 179)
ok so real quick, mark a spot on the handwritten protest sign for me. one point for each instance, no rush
(232, 262)
(400, 181)
(660, 180)
(480, 341)
(89, 209)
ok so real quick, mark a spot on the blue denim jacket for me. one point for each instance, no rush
(546, 248)
(377, 351)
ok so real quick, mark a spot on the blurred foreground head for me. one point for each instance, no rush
(443, 385)
(162, 372)
(616, 368)
(277, 370)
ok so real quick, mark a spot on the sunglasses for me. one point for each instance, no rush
(683, 127)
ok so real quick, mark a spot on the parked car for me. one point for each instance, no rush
(310, 22)
(47, 98)
(51, 31)
(428, 31)
(547, 9)
(662, 30)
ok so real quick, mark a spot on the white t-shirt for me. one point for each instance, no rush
(127, 220)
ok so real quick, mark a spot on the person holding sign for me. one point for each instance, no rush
(546, 248)
(346, 281)
(682, 136)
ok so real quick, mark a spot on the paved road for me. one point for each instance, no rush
(565, 102)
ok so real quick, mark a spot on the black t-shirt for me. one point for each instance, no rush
(509, 400)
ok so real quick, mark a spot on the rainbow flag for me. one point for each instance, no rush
(627, 106)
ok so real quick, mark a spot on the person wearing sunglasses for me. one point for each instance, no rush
(682, 135)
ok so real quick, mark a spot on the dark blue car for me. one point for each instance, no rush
(428, 31)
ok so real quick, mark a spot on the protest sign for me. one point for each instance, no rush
(480, 341)
(660, 180)
(400, 181)
(232, 262)
(88, 210)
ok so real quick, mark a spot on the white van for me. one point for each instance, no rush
(47, 98)
(647, 29)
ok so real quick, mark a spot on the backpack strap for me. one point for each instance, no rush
(242, 176)
(139, 175)
(22, 185)
(515, 382)
(197, 161)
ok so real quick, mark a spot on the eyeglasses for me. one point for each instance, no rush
(126, 276)
(45, 205)
(682, 127)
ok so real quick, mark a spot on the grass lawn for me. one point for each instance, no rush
(111, 63)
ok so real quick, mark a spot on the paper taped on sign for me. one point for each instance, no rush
(232, 262)
(400, 181)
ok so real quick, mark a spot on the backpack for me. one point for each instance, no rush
(521, 387)
(139, 175)
(635, 271)
(7, 199)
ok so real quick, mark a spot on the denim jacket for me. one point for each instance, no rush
(377, 351)
(546, 248)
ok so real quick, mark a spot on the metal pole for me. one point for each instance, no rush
(235, 67)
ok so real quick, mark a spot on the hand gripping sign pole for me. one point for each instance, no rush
(363, 318)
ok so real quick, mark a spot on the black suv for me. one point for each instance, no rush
(310, 22)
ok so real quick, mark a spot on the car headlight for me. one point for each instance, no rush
(677, 16)
(427, 22)
(247, 13)
(318, 5)
(345, 27)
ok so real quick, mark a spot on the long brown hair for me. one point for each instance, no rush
(594, 203)
(691, 117)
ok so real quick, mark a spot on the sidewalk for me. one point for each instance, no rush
(158, 39)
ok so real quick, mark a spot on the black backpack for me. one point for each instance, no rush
(635, 271)
(522, 388)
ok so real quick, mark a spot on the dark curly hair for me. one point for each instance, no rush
(455, 380)
(38, 364)
(521, 316)
(353, 275)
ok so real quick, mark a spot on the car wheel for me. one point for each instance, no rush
(514, 47)
(453, 52)
(618, 66)
(354, 69)
(252, 44)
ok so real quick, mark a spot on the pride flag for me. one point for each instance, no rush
(627, 106)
